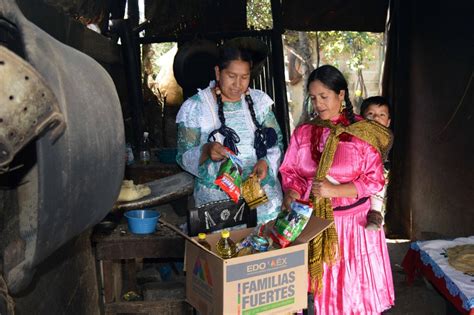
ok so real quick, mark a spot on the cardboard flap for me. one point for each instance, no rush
(314, 227)
(195, 243)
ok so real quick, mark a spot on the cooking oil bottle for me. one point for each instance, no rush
(226, 247)
(202, 240)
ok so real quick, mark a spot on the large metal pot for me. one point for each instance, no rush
(68, 182)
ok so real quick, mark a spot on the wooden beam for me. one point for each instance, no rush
(210, 36)
(164, 243)
(281, 101)
(150, 307)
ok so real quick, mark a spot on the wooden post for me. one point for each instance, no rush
(133, 13)
(281, 101)
(112, 277)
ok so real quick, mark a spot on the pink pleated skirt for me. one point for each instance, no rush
(361, 281)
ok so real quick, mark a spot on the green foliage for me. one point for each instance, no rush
(153, 54)
(357, 46)
(259, 14)
(162, 48)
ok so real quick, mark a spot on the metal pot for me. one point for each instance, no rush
(68, 183)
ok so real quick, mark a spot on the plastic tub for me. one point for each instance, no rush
(142, 221)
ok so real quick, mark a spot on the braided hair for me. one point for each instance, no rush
(265, 138)
(231, 138)
(332, 78)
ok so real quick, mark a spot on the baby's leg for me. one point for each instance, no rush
(374, 220)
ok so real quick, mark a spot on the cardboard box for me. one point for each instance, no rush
(272, 282)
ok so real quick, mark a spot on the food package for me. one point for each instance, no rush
(289, 224)
(256, 242)
(229, 177)
(129, 191)
(253, 192)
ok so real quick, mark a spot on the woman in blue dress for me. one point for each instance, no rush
(230, 114)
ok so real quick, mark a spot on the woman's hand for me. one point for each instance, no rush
(260, 169)
(323, 189)
(290, 195)
(214, 151)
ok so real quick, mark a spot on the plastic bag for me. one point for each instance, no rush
(253, 192)
(229, 177)
(256, 242)
(289, 224)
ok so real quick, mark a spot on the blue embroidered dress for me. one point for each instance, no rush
(197, 118)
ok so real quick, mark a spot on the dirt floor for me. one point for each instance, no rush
(420, 298)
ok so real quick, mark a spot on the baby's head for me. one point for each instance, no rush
(376, 108)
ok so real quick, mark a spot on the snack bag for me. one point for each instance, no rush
(229, 177)
(253, 193)
(289, 224)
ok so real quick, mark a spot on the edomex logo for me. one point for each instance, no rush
(201, 270)
(264, 266)
(268, 265)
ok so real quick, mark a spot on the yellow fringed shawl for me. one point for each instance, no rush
(324, 248)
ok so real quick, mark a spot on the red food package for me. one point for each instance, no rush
(229, 177)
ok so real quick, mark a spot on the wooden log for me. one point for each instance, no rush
(163, 191)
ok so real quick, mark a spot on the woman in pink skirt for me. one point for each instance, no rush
(336, 160)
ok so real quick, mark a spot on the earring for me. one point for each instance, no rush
(343, 106)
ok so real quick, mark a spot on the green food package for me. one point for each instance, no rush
(289, 224)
